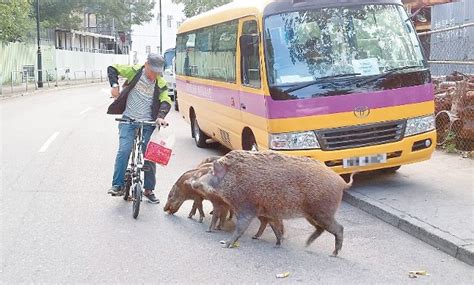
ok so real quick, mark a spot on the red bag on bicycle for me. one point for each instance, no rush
(159, 147)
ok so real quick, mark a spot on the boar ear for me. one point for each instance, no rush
(219, 169)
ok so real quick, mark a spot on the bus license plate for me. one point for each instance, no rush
(364, 160)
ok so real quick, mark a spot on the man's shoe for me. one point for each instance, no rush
(151, 198)
(115, 191)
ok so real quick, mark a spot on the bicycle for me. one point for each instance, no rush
(133, 188)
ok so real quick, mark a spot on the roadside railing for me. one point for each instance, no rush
(19, 81)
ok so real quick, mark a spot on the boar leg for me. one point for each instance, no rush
(263, 225)
(277, 227)
(319, 230)
(222, 218)
(201, 212)
(193, 210)
(217, 211)
(333, 227)
(243, 222)
(338, 231)
(213, 223)
(197, 205)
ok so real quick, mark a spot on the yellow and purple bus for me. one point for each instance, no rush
(341, 81)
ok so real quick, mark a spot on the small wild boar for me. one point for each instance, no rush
(181, 192)
(276, 186)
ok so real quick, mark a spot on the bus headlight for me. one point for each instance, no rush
(302, 140)
(419, 125)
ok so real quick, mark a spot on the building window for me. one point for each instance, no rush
(178, 24)
(169, 19)
(148, 49)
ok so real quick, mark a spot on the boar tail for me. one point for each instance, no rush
(349, 185)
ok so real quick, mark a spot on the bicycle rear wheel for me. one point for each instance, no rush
(137, 198)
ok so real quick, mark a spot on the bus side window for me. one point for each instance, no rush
(250, 57)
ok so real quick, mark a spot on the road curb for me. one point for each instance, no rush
(441, 240)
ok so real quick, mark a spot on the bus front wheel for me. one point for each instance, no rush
(249, 142)
(199, 136)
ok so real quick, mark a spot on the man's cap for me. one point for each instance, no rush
(156, 62)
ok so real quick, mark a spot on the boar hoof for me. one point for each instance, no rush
(334, 254)
(201, 219)
(190, 216)
(225, 244)
(255, 237)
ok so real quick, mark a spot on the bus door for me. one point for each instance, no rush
(251, 94)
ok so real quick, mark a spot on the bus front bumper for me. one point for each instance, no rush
(409, 150)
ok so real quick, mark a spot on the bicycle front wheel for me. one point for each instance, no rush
(128, 185)
(137, 198)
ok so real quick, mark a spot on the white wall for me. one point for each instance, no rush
(86, 61)
(148, 34)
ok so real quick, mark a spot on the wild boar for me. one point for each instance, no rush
(221, 207)
(276, 186)
(181, 192)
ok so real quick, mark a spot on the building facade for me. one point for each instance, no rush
(146, 37)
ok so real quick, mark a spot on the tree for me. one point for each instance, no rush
(15, 20)
(17, 17)
(124, 13)
(196, 7)
(116, 15)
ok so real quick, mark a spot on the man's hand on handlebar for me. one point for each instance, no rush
(161, 122)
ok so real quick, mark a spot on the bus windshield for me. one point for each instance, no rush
(342, 44)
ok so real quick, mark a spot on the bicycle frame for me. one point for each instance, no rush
(137, 163)
(136, 160)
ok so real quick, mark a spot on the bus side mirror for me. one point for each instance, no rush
(248, 44)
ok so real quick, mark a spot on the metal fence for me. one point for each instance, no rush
(450, 49)
(449, 46)
(20, 81)
(454, 108)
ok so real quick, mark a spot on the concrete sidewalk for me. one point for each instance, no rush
(431, 200)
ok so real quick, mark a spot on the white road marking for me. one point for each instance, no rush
(48, 142)
(85, 110)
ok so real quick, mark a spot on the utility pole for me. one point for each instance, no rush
(40, 67)
(161, 30)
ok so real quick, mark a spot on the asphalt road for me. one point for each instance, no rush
(59, 225)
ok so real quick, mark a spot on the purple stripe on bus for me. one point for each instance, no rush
(347, 103)
(265, 106)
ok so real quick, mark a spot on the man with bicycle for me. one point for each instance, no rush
(144, 97)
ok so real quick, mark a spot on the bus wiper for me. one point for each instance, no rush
(306, 84)
(387, 73)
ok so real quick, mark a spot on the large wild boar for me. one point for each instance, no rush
(221, 208)
(276, 186)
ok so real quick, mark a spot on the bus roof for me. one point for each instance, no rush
(242, 8)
